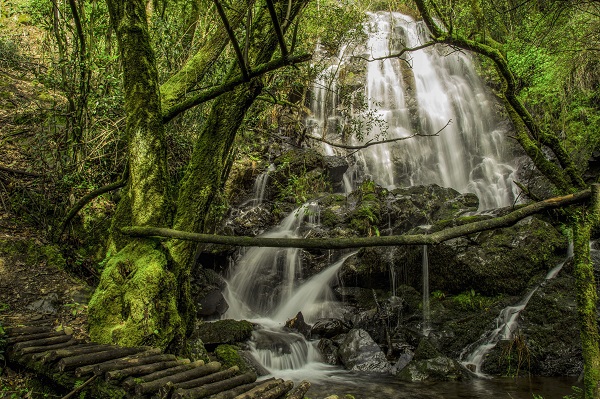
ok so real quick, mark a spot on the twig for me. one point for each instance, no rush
(79, 388)
(20, 172)
(87, 198)
(370, 143)
(236, 47)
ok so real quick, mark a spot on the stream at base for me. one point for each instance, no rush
(363, 386)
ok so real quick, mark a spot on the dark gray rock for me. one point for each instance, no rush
(212, 305)
(359, 352)
(329, 328)
(45, 305)
(329, 351)
(298, 325)
(428, 364)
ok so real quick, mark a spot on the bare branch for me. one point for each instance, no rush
(359, 242)
(398, 54)
(234, 43)
(87, 198)
(370, 143)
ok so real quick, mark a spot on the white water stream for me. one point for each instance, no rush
(505, 324)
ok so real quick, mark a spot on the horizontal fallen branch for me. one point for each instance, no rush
(358, 242)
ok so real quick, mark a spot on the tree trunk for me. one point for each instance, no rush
(136, 300)
(587, 298)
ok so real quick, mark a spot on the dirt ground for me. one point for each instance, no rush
(34, 287)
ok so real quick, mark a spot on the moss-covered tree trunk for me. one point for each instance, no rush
(143, 296)
(208, 169)
(136, 300)
(587, 298)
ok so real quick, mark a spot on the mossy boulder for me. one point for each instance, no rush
(429, 364)
(229, 356)
(136, 300)
(495, 262)
(224, 332)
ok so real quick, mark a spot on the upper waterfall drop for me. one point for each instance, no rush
(420, 94)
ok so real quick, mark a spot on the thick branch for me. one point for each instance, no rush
(342, 243)
(214, 92)
(86, 199)
(234, 42)
(371, 143)
(194, 70)
(278, 31)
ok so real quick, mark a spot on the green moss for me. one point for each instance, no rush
(136, 300)
(225, 331)
(228, 356)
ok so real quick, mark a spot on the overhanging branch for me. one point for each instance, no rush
(358, 242)
(236, 47)
(371, 143)
(214, 92)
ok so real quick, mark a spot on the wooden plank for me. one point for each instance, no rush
(49, 348)
(145, 369)
(41, 342)
(211, 389)
(31, 337)
(69, 363)
(153, 386)
(103, 366)
(129, 383)
(233, 392)
(77, 350)
(166, 389)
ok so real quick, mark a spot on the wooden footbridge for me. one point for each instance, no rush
(109, 371)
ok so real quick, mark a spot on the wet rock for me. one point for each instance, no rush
(335, 167)
(329, 351)
(278, 342)
(547, 342)
(359, 352)
(45, 305)
(252, 221)
(224, 332)
(428, 364)
(329, 328)
(299, 325)
(437, 369)
(213, 304)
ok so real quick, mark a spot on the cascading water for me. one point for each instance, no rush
(470, 153)
(506, 324)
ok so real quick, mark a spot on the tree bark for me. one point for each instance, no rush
(587, 299)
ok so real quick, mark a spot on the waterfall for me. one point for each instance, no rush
(505, 323)
(420, 94)
(469, 155)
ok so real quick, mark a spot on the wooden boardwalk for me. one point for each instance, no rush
(109, 371)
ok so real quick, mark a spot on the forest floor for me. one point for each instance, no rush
(34, 280)
(33, 287)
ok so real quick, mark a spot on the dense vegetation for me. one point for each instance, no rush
(156, 101)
